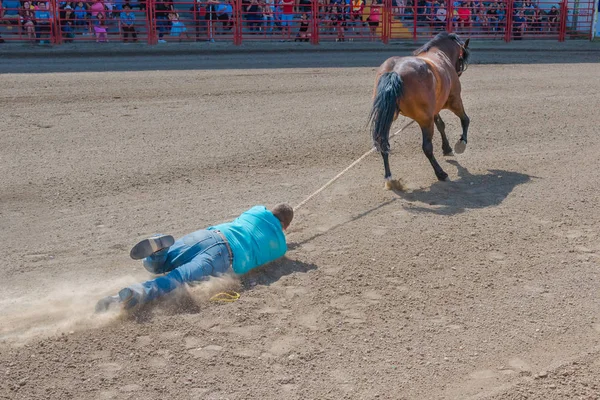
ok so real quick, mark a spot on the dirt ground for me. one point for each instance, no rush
(482, 287)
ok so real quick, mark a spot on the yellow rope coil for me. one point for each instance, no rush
(226, 297)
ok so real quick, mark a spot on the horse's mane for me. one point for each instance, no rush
(439, 38)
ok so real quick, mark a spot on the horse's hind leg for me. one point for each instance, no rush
(390, 184)
(428, 130)
(441, 126)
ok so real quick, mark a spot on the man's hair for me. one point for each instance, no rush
(284, 213)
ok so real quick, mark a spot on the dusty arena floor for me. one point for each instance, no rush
(483, 287)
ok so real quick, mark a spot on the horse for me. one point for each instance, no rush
(419, 87)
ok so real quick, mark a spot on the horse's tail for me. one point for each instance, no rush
(385, 107)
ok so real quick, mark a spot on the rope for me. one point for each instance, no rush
(227, 297)
(335, 178)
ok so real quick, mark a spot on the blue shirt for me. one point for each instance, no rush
(255, 237)
(42, 15)
(11, 7)
(224, 9)
(127, 18)
(80, 12)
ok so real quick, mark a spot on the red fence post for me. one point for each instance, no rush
(151, 22)
(386, 21)
(237, 21)
(564, 13)
(509, 20)
(55, 29)
(414, 19)
(316, 13)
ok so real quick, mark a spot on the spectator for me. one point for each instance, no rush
(277, 13)
(536, 20)
(492, 17)
(430, 12)
(374, 18)
(224, 13)
(199, 12)
(356, 14)
(340, 23)
(464, 15)
(399, 8)
(287, 16)
(10, 12)
(96, 8)
(118, 5)
(128, 23)
(163, 8)
(440, 16)
(552, 19)
(269, 15)
(100, 28)
(501, 12)
(254, 16)
(529, 14)
(43, 22)
(211, 18)
(80, 14)
(519, 25)
(178, 28)
(303, 34)
(245, 4)
(304, 6)
(28, 20)
(67, 19)
(421, 10)
(409, 8)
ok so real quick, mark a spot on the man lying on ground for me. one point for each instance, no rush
(253, 239)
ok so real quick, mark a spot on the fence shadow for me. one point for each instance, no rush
(196, 56)
(469, 191)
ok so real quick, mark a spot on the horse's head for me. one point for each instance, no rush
(463, 56)
(452, 46)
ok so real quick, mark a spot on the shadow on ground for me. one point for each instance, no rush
(469, 191)
(272, 272)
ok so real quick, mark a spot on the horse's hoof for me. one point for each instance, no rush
(449, 153)
(394, 184)
(460, 147)
(444, 177)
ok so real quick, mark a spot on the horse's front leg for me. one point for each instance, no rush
(458, 109)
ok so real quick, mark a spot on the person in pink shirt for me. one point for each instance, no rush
(97, 7)
(374, 17)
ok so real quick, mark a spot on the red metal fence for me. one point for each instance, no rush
(313, 21)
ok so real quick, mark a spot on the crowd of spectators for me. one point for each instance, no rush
(206, 19)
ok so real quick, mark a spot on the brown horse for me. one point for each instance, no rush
(419, 87)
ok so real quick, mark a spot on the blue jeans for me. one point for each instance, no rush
(213, 259)
(269, 22)
(162, 23)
